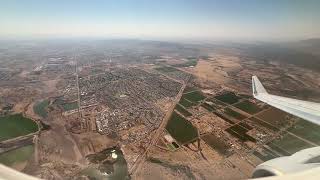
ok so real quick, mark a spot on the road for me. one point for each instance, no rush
(77, 84)
(17, 142)
(140, 160)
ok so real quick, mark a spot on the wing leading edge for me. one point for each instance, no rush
(307, 110)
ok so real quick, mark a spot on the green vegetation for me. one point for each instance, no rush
(278, 149)
(229, 98)
(216, 103)
(166, 69)
(17, 155)
(265, 154)
(207, 107)
(248, 107)
(234, 114)
(66, 106)
(291, 144)
(183, 111)
(185, 103)
(245, 125)
(70, 106)
(307, 130)
(171, 147)
(181, 129)
(240, 132)
(16, 125)
(41, 108)
(216, 143)
(190, 62)
(194, 96)
(205, 57)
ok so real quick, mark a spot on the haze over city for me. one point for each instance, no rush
(166, 19)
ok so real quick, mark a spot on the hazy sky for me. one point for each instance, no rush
(176, 19)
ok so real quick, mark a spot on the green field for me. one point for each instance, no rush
(16, 156)
(290, 144)
(41, 108)
(183, 111)
(194, 96)
(240, 133)
(216, 103)
(248, 107)
(229, 98)
(307, 130)
(190, 62)
(166, 69)
(181, 129)
(207, 107)
(205, 57)
(265, 154)
(185, 103)
(12, 126)
(171, 147)
(70, 106)
(234, 114)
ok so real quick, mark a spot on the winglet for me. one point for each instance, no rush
(257, 87)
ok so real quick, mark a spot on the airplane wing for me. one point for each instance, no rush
(306, 110)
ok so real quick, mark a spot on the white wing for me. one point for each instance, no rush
(307, 110)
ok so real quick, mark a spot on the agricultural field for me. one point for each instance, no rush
(207, 107)
(191, 62)
(275, 117)
(216, 143)
(41, 108)
(229, 98)
(16, 125)
(290, 144)
(265, 154)
(173, 73)
(183, 111)
(194, 96)
(181, 129)
(186, 103)
(69, 106)
(234, 114)
(15, 156)
(240, 132)
(216, 103)
(306, 130)
(248, 107)
(166, 69)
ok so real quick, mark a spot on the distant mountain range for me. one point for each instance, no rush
(304, 53)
